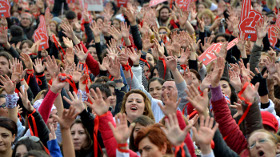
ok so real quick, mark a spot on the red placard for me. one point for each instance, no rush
(70, 1)
(248, 21)
(208, 56)
(122, 3)
(277, 24)
(184, 4)
(5, 8)
(272, 36)
(232, 43)
(155, 2)
(41, 34)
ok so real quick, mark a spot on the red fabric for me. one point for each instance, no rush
(188, 141)
(90, 61)
(109, 140)
(46, 106)
(228, 127)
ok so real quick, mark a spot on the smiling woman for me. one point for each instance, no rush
(8, 131)
(136, 103)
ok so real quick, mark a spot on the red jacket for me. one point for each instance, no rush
(227, 125)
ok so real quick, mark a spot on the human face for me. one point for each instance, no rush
(147, 72)
(137, 128)
(150, 59)
(169, 87)
(47, 74)
(200, 8)
(155, 89)
(52, 27)
(6, 140)
(147, 148)
(21, 151)
(52, 121)
(262, 61)
(92, 51)
(162, 31)
(116, 24)
(195, 80)
(261, 144)
(113, 97)
(79, 136)
(155, 73)
(4, 66)
(225, 88)
(25, 20)
(3, 108)
(25, 48)
(134, 106)
(221, 39)
(164, 15)
(207, 19)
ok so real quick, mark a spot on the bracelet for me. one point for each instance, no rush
(22, 80)
(122, 145)
(11, 100)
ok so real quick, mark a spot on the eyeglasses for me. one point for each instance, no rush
(3, 106)
(260, 141)
(32, 138)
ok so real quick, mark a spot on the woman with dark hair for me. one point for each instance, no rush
(8, 132)
(155, 87)
(26, 144)
(140, 122)
(81, 139)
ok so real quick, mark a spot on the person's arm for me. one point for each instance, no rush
(65, 121)
(88, 31)
(53, 144)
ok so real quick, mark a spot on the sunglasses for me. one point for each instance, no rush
(32, 138)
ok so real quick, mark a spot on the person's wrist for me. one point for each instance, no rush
(214, 84)
(133, 23)
(7, 45)
(205, 149)
(54, 89)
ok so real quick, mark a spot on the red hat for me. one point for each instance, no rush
(269, 120)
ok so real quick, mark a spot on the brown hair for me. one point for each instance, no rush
(209, 13)
(147, 111)
(89, 142)
(155, 134)
(273, 137)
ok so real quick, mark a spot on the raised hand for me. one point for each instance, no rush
(114, 67)
(121, 131)
(51, 66)
(239, 108)
(206, 82)
(77, 74)
(171, 62)
(134, 56)
(39, 67)
(217, 73)
(52, 135)
(251, 92)
(67, 42)
(67, 29)
(95, 29)
(3, 35)
(207, 43)
(79, 52)
(173, 132)
(123, 57)
(24, 98)
(199, 102)
(17, 70)
(184, 56)
(261, 29)
(27, 61)
(146, 42)
(223, 51)
(270, 65)
(245, 72)
(75, 101)
(69, 56)
(235, 80)
(116, 34)
(131, 15)
(98, 105)
(105, 63)
(57, 85)
(205, 133)
(125, 30)
(7, 84)
(67, 119)
(170, 103)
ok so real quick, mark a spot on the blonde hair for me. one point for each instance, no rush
(274, 137)
(147, 111)
(207, 12)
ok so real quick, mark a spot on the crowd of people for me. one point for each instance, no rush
(127, 81)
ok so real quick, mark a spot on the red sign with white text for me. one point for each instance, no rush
(41, 34)
(155, 2)
(5, 8)
(122, 3)
(248, 21)
(278, 21)
(272, 36)
(208, 56)
(232, 43)
(184, 4)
